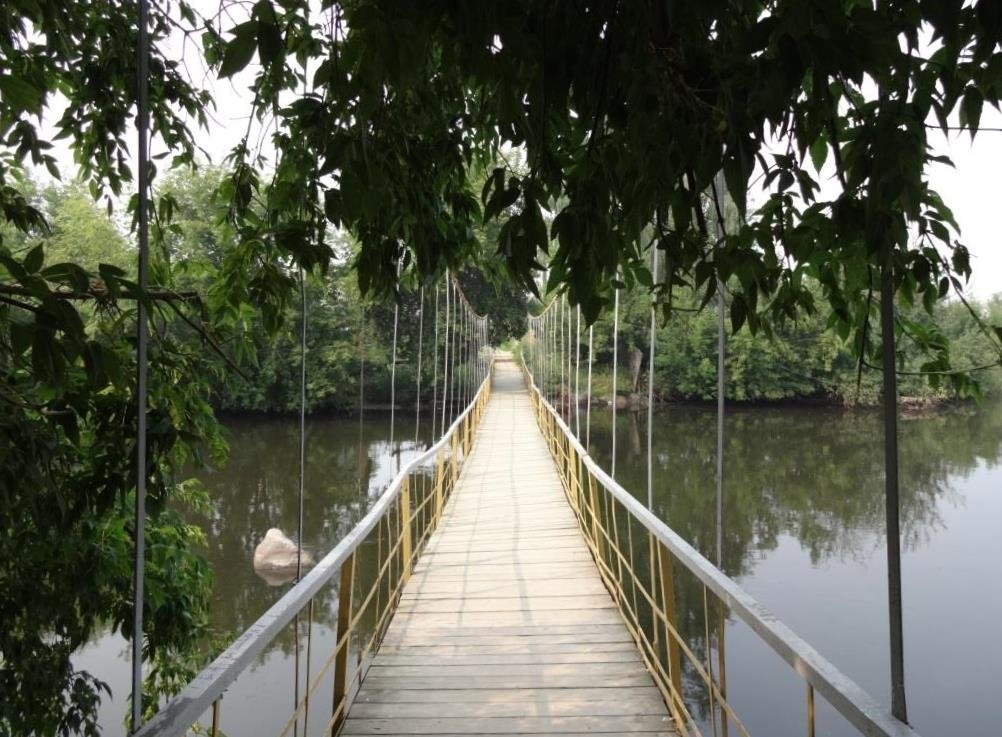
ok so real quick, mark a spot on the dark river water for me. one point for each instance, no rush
(803, 533)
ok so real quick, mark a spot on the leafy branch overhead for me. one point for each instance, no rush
(626, 111)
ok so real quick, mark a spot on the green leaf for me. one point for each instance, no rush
(33, 261)
(970, 109)
(819, 152)
(240, 49)
(269, 42)
(20, 94)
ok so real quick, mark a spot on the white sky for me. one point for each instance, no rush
(971, 189)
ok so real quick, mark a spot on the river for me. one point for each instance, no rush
(803, 533)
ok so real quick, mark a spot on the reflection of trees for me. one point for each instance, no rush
(812, 473)
(347, 466)
(815, 474)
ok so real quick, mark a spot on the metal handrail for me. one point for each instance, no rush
(184, 709)
(860, 709)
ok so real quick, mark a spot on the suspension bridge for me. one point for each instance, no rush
(504, 583)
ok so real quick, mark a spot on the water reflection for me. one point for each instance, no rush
(803, 531)
(348, 465)
(816, 474)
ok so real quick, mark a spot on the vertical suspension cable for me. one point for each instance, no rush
(615, 376)
(302, 420)
(560, 353)
(142, 336)
(465, 336)
(577, 378)
(721, 383)
(720, 186)
(302, 477)
(555, 352)
(434, 381)
(445, 360)
(567, 316)
(591, 360)
(461, 352)
(361, 396)
(453, 346)
(393, 369)
(652, 343)
(420, 351)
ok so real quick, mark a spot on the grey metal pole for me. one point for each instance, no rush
(142, 349)
(393, 371)
(615, 377)
(420, 350)
(591, 360)
(302, 422)
(434, 380)
(892, 505)
(650, 384)
(720, 187)
(560, 352)
(577, 378)
(445, 359)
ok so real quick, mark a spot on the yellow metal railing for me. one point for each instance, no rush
(371, 565)
(651, 573)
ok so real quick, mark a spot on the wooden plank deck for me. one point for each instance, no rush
(505, 626)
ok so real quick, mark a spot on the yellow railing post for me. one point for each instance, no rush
(439, 481)
(595, 523)
(671, 622)
(575, 496)
(214, 732)
(405, 521)
(343, 635)
(454, 458)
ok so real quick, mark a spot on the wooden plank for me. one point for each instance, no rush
(573, 680)
(435, 620)
(532, 698)
(505, 626)
(509, 725)
(556, 707)
(506, 604)
(448, 589)
(509, 646)
(507, 558)
(624, 655)
(593, 671)
(501, 636)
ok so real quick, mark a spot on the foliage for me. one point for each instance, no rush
(67, 434)
(799, 360)
(67, 370)
(626, 111)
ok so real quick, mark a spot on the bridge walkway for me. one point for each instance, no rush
(505, 626)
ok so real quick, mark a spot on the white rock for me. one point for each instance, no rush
(278, 552)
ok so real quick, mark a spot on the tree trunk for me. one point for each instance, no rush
(636, 363)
